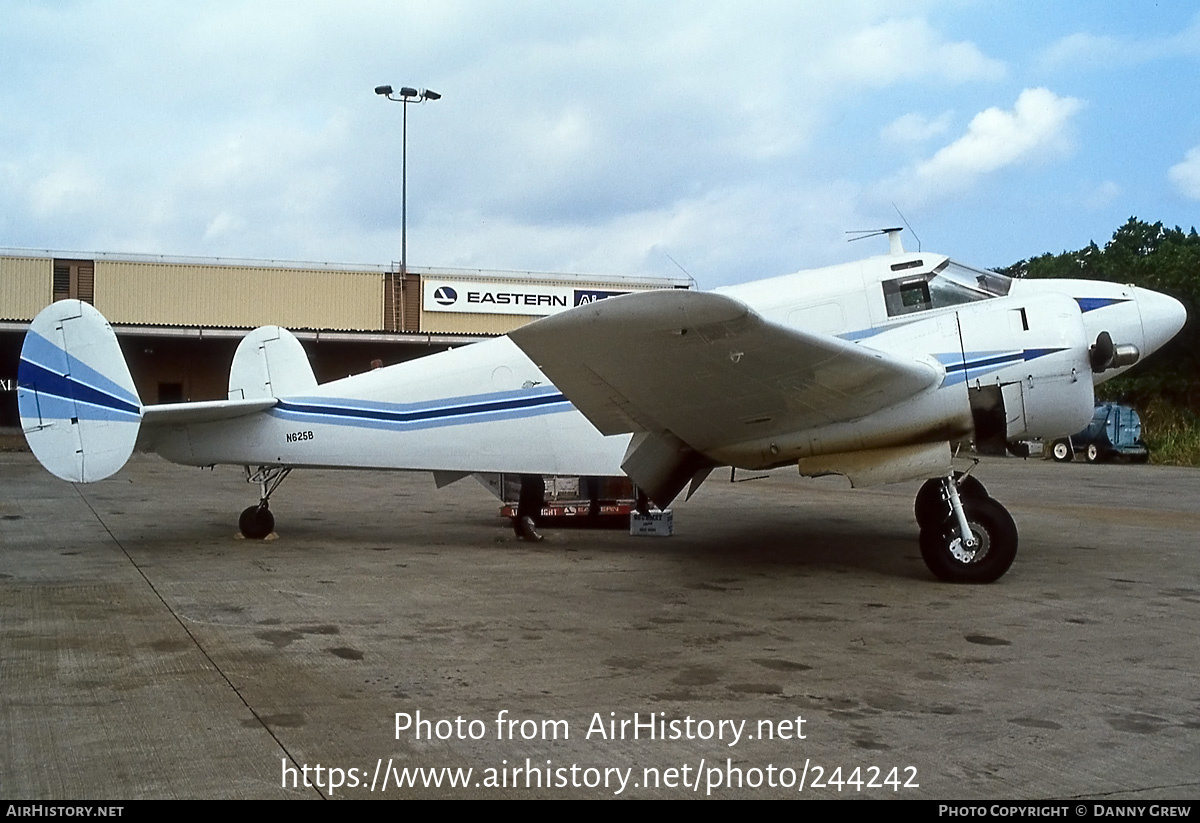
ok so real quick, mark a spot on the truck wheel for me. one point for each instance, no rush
(1060, 450)
(1093, 453)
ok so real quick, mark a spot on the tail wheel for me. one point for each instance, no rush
(256, 522)
(950, 558)
(1061, 451)
(929, 506)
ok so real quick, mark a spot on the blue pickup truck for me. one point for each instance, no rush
(1115, 432)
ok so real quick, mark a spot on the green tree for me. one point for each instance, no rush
(1154, 257)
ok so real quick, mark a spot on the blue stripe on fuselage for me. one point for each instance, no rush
(975, 364)
(1087, 304)
(453, 411)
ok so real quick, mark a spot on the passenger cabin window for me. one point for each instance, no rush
(948, 284)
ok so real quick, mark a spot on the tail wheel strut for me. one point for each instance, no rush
(256, 522)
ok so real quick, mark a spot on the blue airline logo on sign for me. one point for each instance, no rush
(585, 296)
(445, 296)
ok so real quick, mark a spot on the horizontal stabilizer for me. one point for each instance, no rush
(178, 414)
(79, 408)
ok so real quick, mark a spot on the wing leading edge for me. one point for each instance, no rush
(706, 370)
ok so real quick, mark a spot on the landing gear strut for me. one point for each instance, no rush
(932, 504)
(966, 536)
(256, 522)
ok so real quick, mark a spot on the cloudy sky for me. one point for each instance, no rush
(740, 139)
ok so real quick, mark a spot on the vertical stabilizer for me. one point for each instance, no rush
(270, 362)
(79, 409)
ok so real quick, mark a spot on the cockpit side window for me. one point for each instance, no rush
(948, 284)
(906, 295)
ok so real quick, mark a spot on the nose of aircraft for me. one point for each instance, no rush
(1162, 317)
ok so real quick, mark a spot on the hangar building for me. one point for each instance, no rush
(179, 319)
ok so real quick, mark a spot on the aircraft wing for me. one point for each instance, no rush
(710, 371)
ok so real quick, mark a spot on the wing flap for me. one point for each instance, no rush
(708, 369)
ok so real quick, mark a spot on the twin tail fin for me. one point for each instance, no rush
(79, 409)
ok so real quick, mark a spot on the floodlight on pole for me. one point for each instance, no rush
(406, 95)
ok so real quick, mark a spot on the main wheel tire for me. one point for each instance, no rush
(930, 508)
(1060, 450)
(256, 522)
(1093, 454)
(943, 551)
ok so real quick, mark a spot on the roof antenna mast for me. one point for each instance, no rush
(910, 228)
(893, 234)
(679, 266)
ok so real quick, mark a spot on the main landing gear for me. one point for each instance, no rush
(966, 536)
(256, 522)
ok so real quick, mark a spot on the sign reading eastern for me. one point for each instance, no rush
(506, 298)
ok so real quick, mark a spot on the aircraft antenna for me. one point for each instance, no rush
(910, 228)
(893, 236)
(691, 279)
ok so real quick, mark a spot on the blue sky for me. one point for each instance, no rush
(742, 140)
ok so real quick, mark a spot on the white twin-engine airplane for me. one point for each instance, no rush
(880, 370)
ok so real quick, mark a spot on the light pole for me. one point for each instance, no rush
(406, 95)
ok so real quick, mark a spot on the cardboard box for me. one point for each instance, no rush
(654, 524)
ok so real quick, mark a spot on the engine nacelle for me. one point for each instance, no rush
(1048, 391)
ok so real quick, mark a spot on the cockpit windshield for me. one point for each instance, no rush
(947, 284)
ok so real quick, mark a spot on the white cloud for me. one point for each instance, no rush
(1186, 175)
(223, 223)
(916, 128)
(1035, 128)
(790, 228)
(1083, 48)
(1102, 195)
(908, 49)
(1105, 51)
(67, 189)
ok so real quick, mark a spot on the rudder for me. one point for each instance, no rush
(80, 411)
